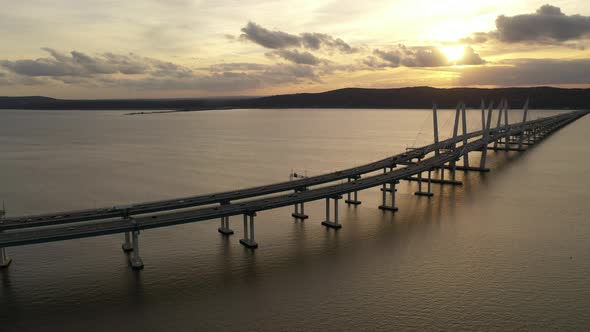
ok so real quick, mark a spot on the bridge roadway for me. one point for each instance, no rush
(233, 195)
(81, 230)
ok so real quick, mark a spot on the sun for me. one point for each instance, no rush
(453, 53)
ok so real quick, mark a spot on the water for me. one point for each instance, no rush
(509, 250)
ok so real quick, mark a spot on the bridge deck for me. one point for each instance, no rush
(57, 233)
(233, 195)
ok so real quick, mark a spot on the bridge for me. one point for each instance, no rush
(416, 164)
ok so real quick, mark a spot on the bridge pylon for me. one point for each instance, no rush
(525, 112)
(503, 109)
(435, 127)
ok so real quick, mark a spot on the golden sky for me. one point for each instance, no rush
(198, 48)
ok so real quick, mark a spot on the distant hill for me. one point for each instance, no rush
(416, 97)
(423, 97)
(44, 103)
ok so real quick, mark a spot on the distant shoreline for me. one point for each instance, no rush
(402, 98)
(174, 111)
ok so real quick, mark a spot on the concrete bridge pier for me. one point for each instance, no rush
(428, 193)
(224, 228)
(299, 212)
(329, 223)
(134, 259)
(127, 246)
(352, 198)
(392, 190)
(442, 179)
(248, 240)
(4, 259)
(384, 188)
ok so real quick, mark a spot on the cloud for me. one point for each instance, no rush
(548, 25)
(419, 56)
(8, 79)
(527, 72)
(475, 38)
(423, 56)
(78, 64)
(470, 58)
(281, 40)
(269, 39)
(131, 71)
(220, 82)
(236, 66)
(315, 41)
(391, 58)
(302, 58)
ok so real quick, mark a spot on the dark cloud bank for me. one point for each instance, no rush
(547, 25)
(281, 40)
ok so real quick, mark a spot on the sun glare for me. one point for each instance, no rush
(453, 53)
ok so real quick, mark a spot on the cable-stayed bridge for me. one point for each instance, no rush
(416, 164)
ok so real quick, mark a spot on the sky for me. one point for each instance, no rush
(202, 48)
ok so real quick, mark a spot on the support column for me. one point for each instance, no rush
(392, 190)
(4, 259)
(224, 228)
(134, 259)
(442, 180)
(248, 240)
(126, 246)
(329, 223)
(428, 193)
(299, 212)
(354, 199)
